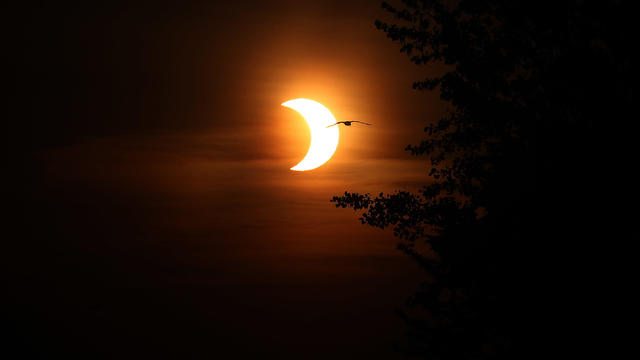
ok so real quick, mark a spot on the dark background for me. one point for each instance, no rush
(151, 209)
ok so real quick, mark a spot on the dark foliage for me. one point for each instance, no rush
(524, 85)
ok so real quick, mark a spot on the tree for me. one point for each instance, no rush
(471, 226)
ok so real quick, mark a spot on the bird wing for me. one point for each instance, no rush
(339, 122)
(362, 122)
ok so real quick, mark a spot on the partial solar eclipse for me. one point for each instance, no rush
(324, 140)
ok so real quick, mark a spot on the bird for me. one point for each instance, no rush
(348, 123)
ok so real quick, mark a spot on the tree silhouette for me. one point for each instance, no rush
(471, 226)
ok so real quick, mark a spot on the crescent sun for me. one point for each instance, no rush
(324, 140)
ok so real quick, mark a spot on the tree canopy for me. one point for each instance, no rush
(471, 226)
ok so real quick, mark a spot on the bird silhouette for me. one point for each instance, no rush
(348, 123)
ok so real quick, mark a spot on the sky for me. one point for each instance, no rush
(158, 214)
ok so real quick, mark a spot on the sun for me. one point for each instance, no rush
(324, 140)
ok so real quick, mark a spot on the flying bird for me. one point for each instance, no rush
(348, 123)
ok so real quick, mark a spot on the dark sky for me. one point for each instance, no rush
(157, 212)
